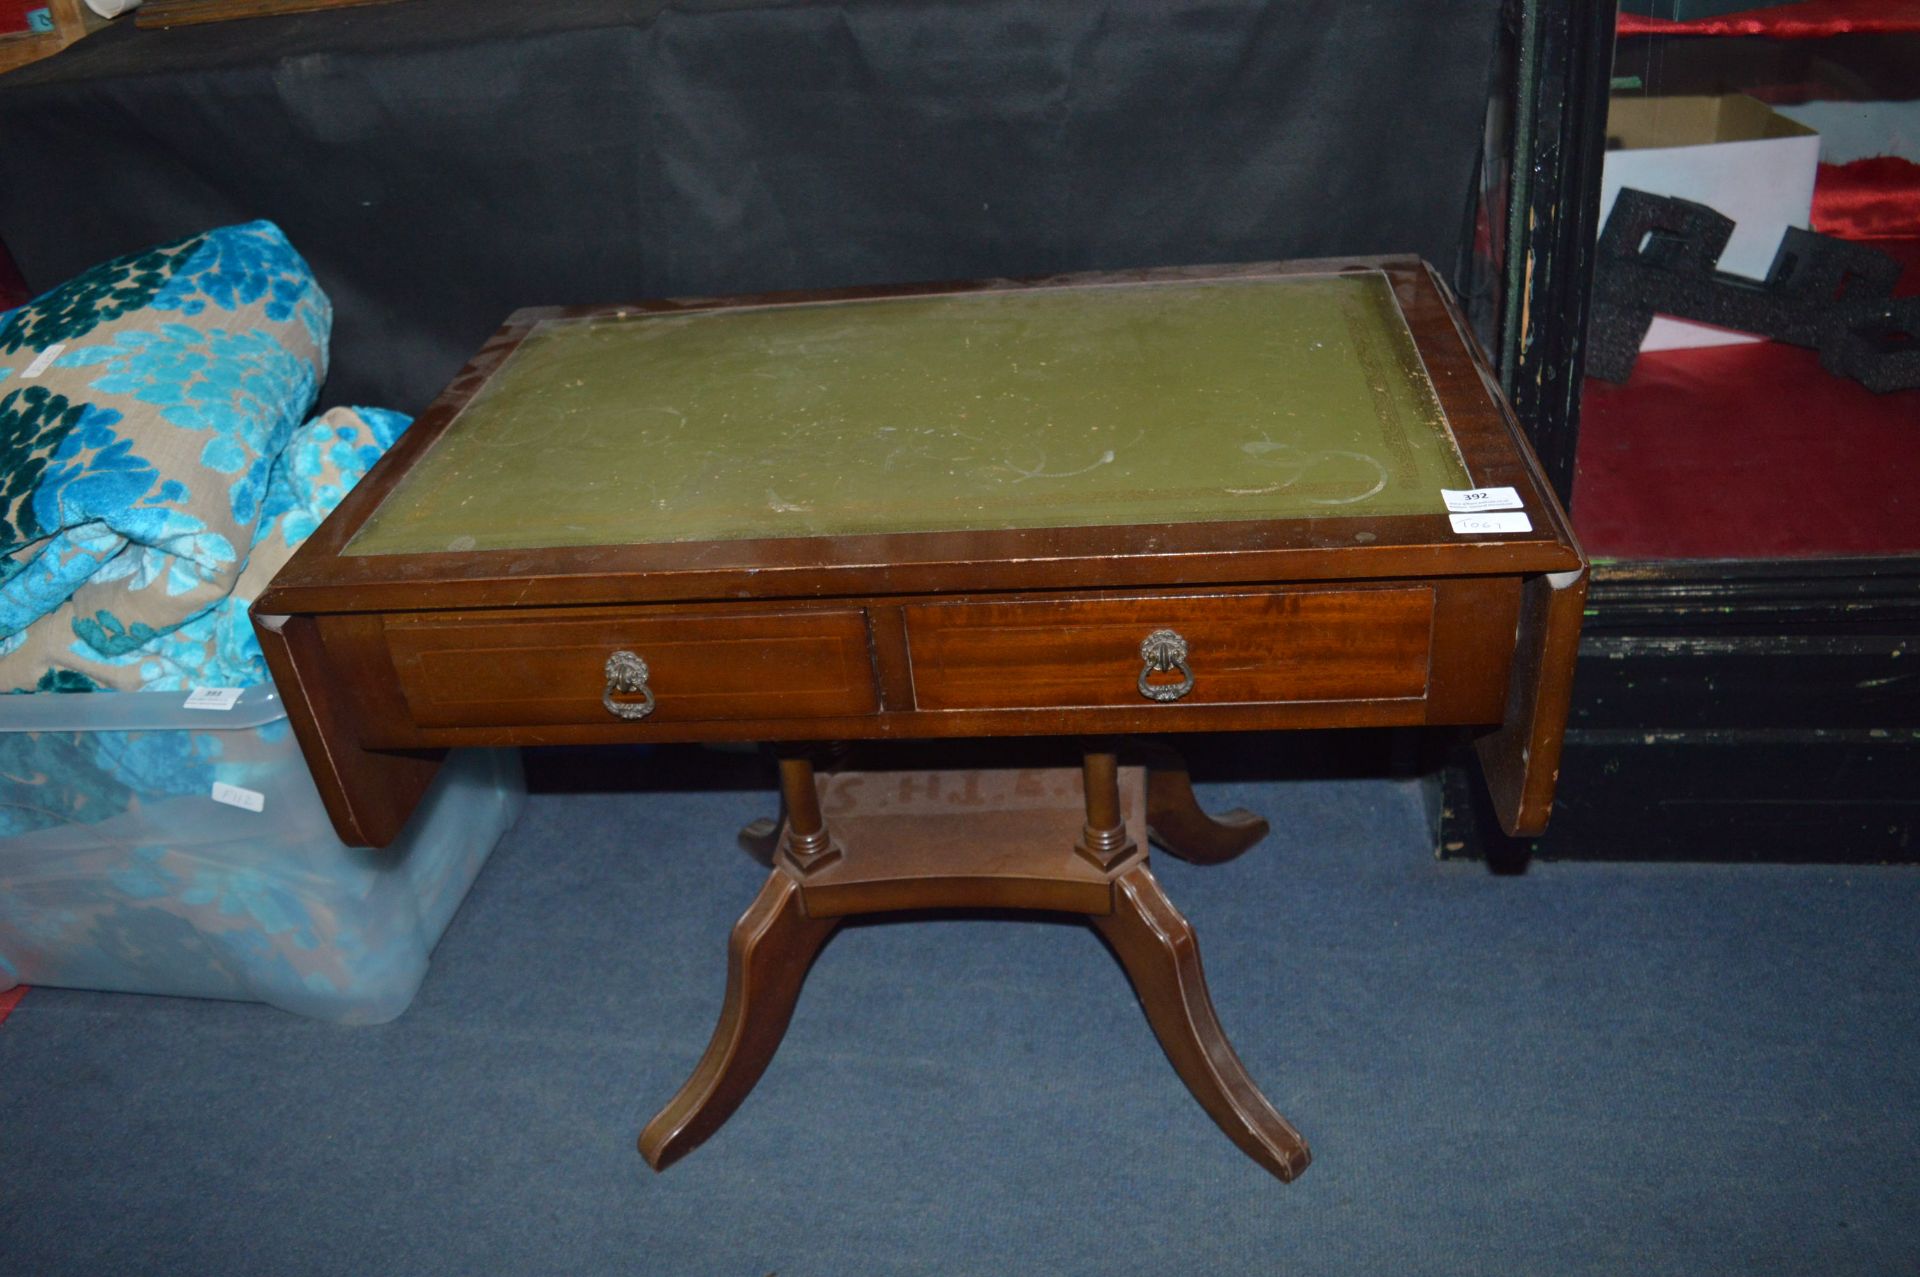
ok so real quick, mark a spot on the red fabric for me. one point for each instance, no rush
(14, 15)
(10, 999)
(1809, 19)
(1876, 198)
(1750, 451)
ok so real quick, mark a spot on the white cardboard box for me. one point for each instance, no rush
(1732, 153)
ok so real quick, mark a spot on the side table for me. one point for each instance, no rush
(1104, 507)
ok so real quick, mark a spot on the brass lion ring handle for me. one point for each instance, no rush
(1164, 651)
(627, 674)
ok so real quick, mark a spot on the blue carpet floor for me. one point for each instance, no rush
(1585, 1069)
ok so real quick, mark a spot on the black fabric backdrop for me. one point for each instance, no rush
(442, 162)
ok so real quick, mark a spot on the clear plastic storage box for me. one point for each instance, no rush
(150, 848)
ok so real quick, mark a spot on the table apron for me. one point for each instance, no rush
(1269, 657)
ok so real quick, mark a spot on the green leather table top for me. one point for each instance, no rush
(1165, 402)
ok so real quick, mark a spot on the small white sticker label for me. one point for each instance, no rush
(220, 698)
(1466, 502)
(43, 360)
(1470, 524)
(234, 796)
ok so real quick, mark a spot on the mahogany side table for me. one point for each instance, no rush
(1102, 506)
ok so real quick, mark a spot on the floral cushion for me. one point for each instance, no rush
(141, 407)
(217, 648)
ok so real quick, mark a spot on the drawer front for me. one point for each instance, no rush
(533, 669)
(1283, 645)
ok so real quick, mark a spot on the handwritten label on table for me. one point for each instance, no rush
(1479, 524)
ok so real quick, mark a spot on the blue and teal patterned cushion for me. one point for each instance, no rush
(142, 405)
(217, 648)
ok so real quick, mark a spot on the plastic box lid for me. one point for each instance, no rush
(136, 712)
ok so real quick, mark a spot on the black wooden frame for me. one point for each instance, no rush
(1764, 710)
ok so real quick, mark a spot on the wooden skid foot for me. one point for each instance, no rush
(1176, 822)
(772, 946)
(1157, 948)
(761, 838)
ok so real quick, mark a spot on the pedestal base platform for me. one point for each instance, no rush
(979, 839)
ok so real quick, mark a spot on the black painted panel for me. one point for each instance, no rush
(1733, 711)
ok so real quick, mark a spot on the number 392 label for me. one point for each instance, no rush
(1467, 501)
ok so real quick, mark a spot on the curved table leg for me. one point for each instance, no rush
(1176, 822)
(768, 954)
(1157, 948)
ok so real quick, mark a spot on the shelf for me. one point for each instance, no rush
(1806, 20)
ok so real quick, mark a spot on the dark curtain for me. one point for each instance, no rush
(442, 162)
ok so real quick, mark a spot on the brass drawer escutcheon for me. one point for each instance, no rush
(627, 675)
(1163, 652)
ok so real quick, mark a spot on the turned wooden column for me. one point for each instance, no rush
(1103, 840)
(808, 844)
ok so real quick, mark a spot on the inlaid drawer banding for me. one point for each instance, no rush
(588, 667)
(1233, 649)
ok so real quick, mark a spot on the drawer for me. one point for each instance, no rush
(492, 669)
(1282, 645)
